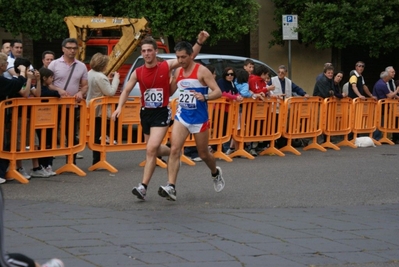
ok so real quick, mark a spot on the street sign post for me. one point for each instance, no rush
(290, 24)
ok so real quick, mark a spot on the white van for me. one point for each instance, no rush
(220, 62)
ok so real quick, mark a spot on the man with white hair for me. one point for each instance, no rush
(381, 91)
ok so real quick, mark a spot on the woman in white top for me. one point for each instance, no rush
(100, 85)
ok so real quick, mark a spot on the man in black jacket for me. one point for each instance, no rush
(10, 87)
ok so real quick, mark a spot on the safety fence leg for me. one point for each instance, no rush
(385, 139)
(290, 148)
(272, 150)
(220, 155)
(314, 145)
(158, 162)
(70, 167)
(13, 173)
(241, 152)
(103, 164)
(329, 144)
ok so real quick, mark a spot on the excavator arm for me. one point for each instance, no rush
(133, 31)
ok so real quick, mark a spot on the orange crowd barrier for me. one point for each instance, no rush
(301, 119)
(259, 122)
(364, 121)
(220, 112)
(387, 118)
(337, 120)
(125, 134)
(25, 116)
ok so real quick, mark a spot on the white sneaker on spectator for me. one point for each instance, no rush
(23, 173)
(42, 173)
(50, 171)
(2, 180)
(230, 151)
(53, 263)
(78, 156)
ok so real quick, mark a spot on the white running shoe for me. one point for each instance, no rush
(23, 173)
(53, 263)
(50, 171)
(42, 173)
(139, 191)
(218, 181)
(2, 180)
(230, 151)
(167, 191)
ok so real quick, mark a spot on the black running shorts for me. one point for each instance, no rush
(154, 117)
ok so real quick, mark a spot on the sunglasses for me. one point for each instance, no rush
(281, 72)
(360, 65)
(230, 74)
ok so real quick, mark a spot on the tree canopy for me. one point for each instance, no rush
(182, 19)
(371, 24)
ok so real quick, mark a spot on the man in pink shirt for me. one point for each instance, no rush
(70, 78)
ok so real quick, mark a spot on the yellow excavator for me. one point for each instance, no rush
(132, 32)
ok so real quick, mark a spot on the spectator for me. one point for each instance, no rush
(321, 74)
(70, 79)
(37, 171)
(392, 87)
(100, 85)
(5, 48)
(47, 57)
(357, 86)
(345, 87)
(17, 259)
(336, 83)
(382, 91)
(324, 87)
(257, 81)
(15, 52)
(9, 87)
(46, 79)
(229, 90)
(284, 88)
(249, 65)
(241, 83)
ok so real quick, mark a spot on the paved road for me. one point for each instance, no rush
(337, 208)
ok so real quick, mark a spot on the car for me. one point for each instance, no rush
(220, 62)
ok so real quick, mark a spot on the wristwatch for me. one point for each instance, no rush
(206, 97)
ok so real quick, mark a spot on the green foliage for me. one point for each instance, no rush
(183, 19)
(371, 24)
(41, 18)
